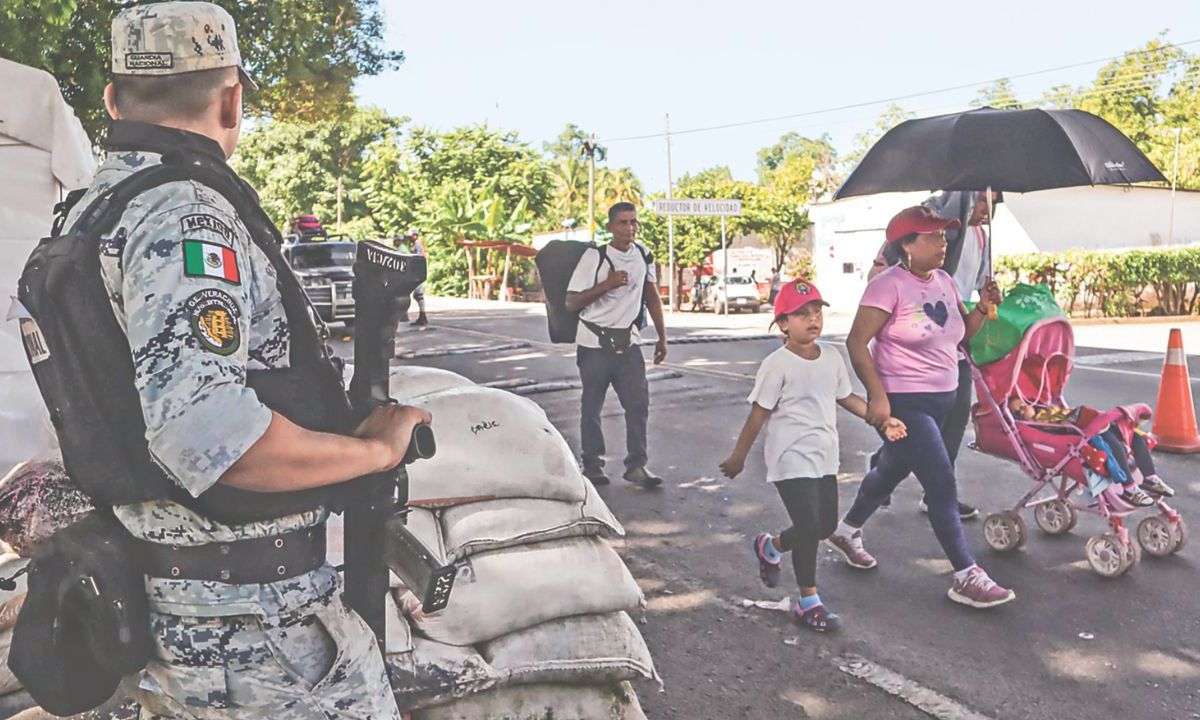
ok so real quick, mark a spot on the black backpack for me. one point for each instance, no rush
(556, 264)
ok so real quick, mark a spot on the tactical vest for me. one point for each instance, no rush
(84, 370)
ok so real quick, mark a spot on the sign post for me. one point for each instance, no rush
(700, 208)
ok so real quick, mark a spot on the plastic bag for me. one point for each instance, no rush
(1023, 306)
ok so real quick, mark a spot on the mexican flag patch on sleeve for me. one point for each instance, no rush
(205, 259)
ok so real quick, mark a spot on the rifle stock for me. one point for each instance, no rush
(376, 538)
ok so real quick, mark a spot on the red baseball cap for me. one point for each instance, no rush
(918, 219)
(795, 295)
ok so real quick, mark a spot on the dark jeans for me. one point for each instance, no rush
(924, 454)
(812, 505)
(955, 426)
(1141, 452)
(626, 372)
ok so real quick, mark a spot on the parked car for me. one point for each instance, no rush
(738, 291)
(326, 273)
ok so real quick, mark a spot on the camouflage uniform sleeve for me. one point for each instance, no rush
(187, 304)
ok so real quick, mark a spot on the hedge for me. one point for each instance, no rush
(1111, 283)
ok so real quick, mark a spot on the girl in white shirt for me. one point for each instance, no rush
(795, 396)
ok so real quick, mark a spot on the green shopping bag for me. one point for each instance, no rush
(1023, 306)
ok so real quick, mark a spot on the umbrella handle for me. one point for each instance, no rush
(992, 314)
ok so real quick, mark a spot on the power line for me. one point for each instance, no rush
(853, 106)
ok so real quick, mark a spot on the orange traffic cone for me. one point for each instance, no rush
(1175, 415)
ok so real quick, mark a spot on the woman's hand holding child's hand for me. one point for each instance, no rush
(894, 429)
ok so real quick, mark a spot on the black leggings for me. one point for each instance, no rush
(1141, 452)
(812, 505)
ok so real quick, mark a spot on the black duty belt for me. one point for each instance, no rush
(244, 562)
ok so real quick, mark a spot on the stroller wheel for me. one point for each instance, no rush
(1181, 535)
(1109, 557)
(1055, 517)
(1004, 531)
(1157, 535)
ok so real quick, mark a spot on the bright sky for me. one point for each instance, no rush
(617, 67)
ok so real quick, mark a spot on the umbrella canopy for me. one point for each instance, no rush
(1013, 150)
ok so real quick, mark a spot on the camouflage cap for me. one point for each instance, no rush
(170, 38)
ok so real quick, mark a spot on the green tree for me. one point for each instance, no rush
(305, 54)
(695, 237)
(999, 95)
(891, 116)
(297, 167)
(1128, 92)
(825, 177)
(779, 211)
(569, 167)
(471, 183)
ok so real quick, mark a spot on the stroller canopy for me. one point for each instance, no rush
(1038, 368)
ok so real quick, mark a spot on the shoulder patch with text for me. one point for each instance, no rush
(200, 221)
(214, 315)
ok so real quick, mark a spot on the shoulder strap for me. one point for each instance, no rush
(602, 250)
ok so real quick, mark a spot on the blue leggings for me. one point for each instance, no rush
(922, 453)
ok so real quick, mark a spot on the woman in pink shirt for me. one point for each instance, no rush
(904, 348)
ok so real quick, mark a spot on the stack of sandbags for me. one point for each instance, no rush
(538, 623)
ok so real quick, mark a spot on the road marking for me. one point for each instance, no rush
(1116, 358)
(1135, 373)
(922, 698)
(460, 350)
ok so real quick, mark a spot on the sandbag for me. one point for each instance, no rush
(37, 498)
(8, 681)
(509, 590)
(493, 444)
(543, 702)
(9, 609)
(583, 649)
(497, 524)
(434, 674)
(412, 381)
(423, 523)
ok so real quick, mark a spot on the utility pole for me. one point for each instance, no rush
(1174, 178)
(339, 204)
(670, 226)
(589, 149)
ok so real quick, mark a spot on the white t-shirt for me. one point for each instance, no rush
(802, 439)
(617, 308)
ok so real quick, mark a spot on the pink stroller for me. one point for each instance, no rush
(1059, 457)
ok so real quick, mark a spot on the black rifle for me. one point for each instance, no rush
(376, 538)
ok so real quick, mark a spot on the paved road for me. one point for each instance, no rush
(1072, 646)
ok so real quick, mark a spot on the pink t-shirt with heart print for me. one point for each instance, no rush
(917, 349)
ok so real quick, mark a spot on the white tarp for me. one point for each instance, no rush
(44, 153)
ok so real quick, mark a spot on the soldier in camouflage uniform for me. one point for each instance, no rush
(199, 304)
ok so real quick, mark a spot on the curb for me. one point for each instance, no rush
(1147, 320)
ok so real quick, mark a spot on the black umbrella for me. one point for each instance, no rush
(1012, 150)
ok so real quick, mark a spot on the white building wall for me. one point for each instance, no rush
(847, 234)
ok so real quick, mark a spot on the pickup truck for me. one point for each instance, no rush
(326, 273)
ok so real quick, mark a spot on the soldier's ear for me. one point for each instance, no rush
(110, 101)
(231, 106)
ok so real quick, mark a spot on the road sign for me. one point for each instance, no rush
(710, 208)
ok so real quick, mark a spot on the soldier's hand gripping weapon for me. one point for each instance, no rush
(376, 537)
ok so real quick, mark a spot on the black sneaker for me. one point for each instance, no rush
(421, 321)
(965, 511)
(1137, 497)
(767, 570)
(642, 476)
(596, 476)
